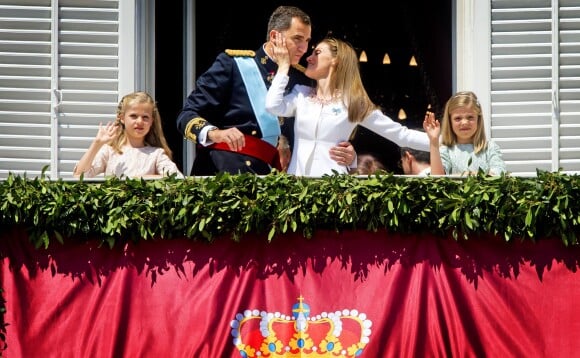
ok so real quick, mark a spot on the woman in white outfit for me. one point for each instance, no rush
(327, 114)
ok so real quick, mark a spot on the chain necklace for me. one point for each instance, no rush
(324, 101)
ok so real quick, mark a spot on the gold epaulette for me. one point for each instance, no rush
(241, 53)
(299, 67)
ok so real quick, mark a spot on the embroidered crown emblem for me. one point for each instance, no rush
(336, 334)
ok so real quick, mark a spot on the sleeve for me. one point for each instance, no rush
(397, 133)
(208, 99)
(99, 164)
(276, 102)
(165, 166)
(495, 160)
(297, 77)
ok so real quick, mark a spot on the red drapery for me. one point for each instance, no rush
(416, 296)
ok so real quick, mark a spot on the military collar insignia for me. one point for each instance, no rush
(299, 67)
(240, 53)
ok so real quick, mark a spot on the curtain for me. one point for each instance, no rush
(355, 293)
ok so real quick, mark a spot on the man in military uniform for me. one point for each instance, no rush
(225, 115)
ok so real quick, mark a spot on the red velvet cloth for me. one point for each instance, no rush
(425, 296)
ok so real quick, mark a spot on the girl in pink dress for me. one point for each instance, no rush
(131, 146)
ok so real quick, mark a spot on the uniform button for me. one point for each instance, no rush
(254, 132)
(248, 163)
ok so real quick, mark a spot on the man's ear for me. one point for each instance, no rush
(410, 157)
(272, 35)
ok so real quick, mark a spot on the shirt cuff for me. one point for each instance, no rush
(203, 140)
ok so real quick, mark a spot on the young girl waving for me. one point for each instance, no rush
(132, 146)
(464, 148)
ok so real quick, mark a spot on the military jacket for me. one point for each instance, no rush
(220, 99)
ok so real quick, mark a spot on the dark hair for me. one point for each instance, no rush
(281, 18)
(420, 155)
(368, 164)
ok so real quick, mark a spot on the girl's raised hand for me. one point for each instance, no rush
(432, 126)
(108, 132)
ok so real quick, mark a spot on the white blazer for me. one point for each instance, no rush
(319, 127)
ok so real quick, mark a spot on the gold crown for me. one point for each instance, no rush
(271, 335)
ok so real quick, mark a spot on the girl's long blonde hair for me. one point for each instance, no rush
(155, 137)
(347, 80)
(460, 100)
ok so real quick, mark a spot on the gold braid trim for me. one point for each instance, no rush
(240, 53)
(299, 67)
(198, 123)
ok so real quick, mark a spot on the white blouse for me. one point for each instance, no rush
(133, 162)
(319, 127)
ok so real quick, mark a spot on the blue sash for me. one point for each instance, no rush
(256, 89)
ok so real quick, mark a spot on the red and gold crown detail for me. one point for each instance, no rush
(270, 335)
